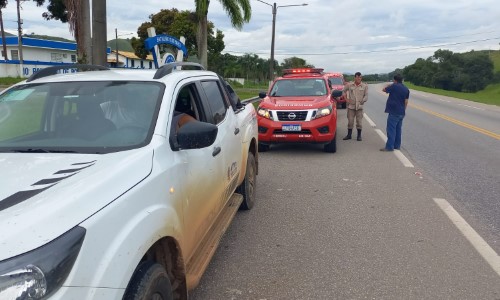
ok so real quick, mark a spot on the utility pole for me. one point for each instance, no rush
(20, 36)
(116, 45)
(275, 10)
(99, 40)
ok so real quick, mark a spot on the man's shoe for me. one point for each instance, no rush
(359, 138)
(359, 135)
(385, 150)
(349, 135)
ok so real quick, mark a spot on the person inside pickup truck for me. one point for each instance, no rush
(319, 88)
(183, 113)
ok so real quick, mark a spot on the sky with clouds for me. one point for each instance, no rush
(337, 35)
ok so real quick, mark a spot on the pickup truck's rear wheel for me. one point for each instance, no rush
(332, 146)
(150, 281)
(247, 187)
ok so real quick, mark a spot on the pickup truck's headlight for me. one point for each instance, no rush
(40, 272)
(322, 112)
(264, 112)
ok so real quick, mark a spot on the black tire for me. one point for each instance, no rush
(263, 147)
(247, 187)
(332, 146)
(149, 282)
(344, 105)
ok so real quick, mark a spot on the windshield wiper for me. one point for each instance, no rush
(40, 150)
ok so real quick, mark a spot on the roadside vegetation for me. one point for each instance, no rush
(490, 95)
(473, 76)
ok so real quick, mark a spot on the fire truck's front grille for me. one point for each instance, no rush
(294, 115)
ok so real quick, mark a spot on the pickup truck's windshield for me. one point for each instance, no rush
(78, 117)
(299, 87)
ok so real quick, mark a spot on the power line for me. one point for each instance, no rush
(373, 51)
(389, 43)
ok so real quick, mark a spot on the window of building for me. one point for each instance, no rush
(56, 57)
(132, 64)
(14, 54)
(73, 58)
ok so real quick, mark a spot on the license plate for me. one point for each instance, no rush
(291, 127)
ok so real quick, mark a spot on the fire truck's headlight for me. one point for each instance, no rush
(40, 272)
(264, 112)
(323, 112)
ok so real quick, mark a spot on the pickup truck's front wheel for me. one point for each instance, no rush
(150, 281)
(332, 146)
(247, 187)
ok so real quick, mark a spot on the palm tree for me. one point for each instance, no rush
(239, 11)
(77, 14)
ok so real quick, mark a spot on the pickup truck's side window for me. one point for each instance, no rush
(215, 99)
(187, 109)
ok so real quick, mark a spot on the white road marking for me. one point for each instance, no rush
(469, 106)
(372, 124)
(405, 161)
(381, 134)
(471, 235)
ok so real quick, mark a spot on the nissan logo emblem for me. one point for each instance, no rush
(291, 116)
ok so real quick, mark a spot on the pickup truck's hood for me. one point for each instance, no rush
(297, 102)
(44, 195)
(337, 87)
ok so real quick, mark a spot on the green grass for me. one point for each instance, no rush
(495, 57)
(246, 93)
(8, 81)
(490, 95)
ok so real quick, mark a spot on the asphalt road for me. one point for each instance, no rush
(358, 224)
(456, 142)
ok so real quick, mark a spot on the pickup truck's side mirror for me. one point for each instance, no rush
(196, 135)
(262, 95)
(336, 93)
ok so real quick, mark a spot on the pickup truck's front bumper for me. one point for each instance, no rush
(321, 130)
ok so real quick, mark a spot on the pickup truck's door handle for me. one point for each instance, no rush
(216, 151)
(236, 131)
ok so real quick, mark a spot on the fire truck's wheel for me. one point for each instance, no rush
(344, 105)
(247, 187)
(263, 147)
(332, 146)
(150, 281)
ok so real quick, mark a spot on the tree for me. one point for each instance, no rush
(462, 72)
(180, 23)
(239, 11)
(295, 62)
(77, 14)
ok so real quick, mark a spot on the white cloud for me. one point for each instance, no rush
(340, 35)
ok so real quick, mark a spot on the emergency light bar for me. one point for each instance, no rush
(303, 70)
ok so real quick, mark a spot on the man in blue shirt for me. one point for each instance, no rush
(395, 107)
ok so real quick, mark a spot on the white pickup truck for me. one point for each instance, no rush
(103, 197)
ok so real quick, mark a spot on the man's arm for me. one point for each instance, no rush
(185, 118)
(406, 103)
(365, 96)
